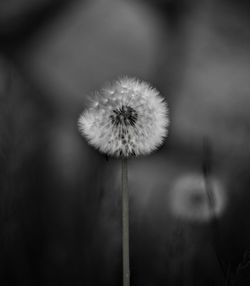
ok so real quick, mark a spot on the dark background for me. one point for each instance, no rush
(60, 209)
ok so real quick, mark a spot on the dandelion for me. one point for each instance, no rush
(189, 200)
(126, 118)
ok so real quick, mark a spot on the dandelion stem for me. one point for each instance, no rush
(125, 224)
(206, 169)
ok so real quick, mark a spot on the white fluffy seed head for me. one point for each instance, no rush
(126, 118)
(189, 200)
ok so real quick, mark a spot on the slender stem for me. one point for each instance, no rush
(206, 168)
(125, 224)
(214, 222)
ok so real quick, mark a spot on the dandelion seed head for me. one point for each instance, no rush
(125, 118)
(189, 200)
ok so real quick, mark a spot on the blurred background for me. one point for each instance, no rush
(60, 200)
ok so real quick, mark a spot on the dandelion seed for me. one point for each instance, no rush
(126, 118)
(189, 200)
